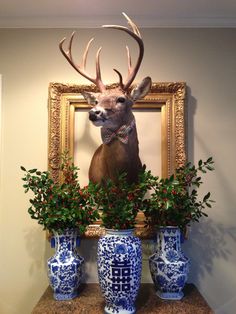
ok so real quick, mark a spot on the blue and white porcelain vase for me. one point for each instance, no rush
(119, 270)
(65, 268)
(169, 267)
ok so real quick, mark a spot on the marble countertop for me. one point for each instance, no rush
(90, 301)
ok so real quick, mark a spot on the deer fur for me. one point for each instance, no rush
(109, 113)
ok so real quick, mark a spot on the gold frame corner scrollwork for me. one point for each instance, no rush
(169, 98)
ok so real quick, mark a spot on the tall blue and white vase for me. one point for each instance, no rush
(169, 266)
(119, 270)
(65, 268)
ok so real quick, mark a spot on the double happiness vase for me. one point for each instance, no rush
(169, 267)
(65, 268)
(119, 270)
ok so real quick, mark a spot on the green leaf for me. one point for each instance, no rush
(32, 170)
(22, 168)
(206, 197)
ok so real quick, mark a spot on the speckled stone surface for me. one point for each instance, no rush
(90, 301)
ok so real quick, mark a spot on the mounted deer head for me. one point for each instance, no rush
(112, 110)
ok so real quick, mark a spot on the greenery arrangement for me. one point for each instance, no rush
(174, 201)
(120, 201)
(59, 206)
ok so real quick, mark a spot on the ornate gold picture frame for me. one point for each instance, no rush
(168, 98)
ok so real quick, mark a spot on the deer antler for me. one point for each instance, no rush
(132, 71)
(81, 68)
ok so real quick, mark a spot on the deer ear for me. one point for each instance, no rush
(142, 89)
(90, 98)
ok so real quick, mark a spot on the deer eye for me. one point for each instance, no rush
(92, 102)
(121, 99)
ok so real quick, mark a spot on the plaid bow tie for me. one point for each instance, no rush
(122, 133)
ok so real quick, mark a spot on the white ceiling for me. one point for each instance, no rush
(93, 13)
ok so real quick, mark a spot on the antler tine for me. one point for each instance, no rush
(120, 79)
(129, 60)
(98, 69)
(131, 23)
(81, 68)
(84, 60)
(132, 71)
(129, 69)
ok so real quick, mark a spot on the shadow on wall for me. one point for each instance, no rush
(88, 249)
(35, 249)
(36, 268)
(207, 242)
(224, 309)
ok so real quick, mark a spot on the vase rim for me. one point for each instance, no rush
(168, 227)
(119, 231)
(65, 231)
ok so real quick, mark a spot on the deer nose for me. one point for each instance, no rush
(93, 115)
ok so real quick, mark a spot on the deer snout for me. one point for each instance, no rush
(93, 115)
(97, 114)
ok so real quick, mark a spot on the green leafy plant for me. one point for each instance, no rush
(120, 201)
(59, 205)
(174, 201)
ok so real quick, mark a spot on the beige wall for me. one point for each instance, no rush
(205, 59)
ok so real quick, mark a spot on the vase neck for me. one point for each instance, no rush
(67, 240)
(168, 238)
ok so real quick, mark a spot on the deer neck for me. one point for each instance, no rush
(121, 134)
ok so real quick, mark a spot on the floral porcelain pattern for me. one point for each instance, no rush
(119, 270)
(169, 267)
(65, 268)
